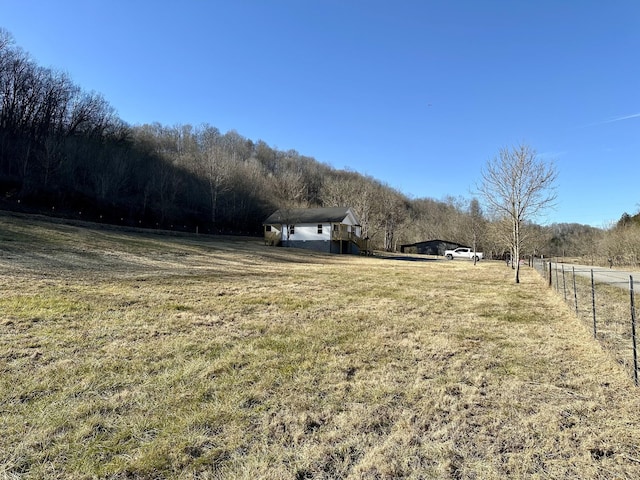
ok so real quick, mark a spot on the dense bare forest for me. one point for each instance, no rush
(64, 151)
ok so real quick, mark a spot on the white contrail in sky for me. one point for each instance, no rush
(626, 117)
(611, 120)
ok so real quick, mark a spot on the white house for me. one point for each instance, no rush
(334, 230)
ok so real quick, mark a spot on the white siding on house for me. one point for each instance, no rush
(351, 220)
(339, 232)
(309, 232)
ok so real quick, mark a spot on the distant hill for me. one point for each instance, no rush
(627, 220)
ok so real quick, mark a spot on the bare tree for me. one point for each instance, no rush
(517, 185)
(389, 215)
(498, 238)
(476, 225)
(291, 187)
(350, 189)
(217, 172)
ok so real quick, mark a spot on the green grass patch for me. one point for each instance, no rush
(40, 305)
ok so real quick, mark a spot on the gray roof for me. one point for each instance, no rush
(308, 215)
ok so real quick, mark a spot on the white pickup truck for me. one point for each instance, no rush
(462, 252)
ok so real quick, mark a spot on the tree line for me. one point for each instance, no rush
(65, 151)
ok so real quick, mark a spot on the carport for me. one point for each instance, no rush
(430, 247)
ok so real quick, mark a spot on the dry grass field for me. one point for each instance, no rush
(141, 356)
(612, 304)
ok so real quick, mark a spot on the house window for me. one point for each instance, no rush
(292, 229)
(268, 228)
(320, 229)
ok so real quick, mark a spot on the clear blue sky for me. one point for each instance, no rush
(418, 94)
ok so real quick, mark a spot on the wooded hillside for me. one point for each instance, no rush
(64, 151)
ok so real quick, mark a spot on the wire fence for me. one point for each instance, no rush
(604, 299)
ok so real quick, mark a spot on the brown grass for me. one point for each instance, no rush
(128, 355)
(613, 326)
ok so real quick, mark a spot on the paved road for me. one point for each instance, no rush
(619, 278)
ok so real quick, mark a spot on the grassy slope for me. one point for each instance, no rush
(140, 356)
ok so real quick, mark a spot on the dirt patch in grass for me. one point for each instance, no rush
(130, 355)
